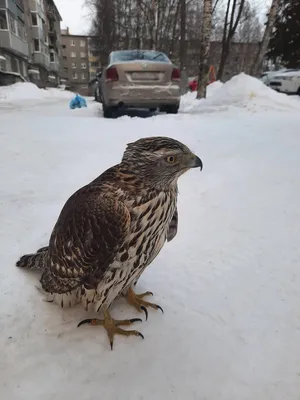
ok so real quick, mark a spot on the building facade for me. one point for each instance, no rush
(30, 41)
(80, 61)
(75, 62)
(94, 56)
(14, 49)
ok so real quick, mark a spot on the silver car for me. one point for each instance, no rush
(140, 79)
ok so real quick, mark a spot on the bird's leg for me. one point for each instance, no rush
(136, 300)
(112, 326)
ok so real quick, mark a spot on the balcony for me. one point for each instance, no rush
(54, 66)
(51, 12)
(52, 33)
(53, 48)
(34, 6)
(14, 44)
(41, 59)
(37, 33)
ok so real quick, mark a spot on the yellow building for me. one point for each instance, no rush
(93, 57)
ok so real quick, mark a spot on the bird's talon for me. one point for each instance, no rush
(136, 320)
(144, 294)
(112, 326)
(145, 311)
(84, 321)
(140, 334)
(137, 301)
(160, 308)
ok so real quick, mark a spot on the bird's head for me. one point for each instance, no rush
(160, 160)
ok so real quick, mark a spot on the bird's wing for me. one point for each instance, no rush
(85, 241)
(173, 226)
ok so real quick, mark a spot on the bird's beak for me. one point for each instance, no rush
(194, 162)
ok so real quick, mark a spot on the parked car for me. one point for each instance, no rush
(267, 76)
(288, 82)
(139, 79)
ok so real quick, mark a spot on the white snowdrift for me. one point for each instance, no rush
(27, 91)
(240, 91)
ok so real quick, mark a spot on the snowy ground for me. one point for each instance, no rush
(229, 282)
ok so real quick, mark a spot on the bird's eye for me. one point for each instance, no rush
(171, 159)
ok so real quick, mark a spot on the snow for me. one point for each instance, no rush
(240, 91)
(228, 283)
(25, 91)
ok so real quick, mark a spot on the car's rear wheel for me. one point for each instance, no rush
(171, 109)
(109, 112)
(298, 91)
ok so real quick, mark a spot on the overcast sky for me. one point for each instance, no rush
(75, 14)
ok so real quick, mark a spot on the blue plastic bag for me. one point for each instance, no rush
(77, 102)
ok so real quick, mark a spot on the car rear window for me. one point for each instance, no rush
(133, 55)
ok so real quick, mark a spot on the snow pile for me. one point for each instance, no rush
(213, 87)
(27, 91)
(240, 91)
(189, 99)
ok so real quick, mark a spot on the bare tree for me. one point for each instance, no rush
(266, 38)
(232, 18)
(250, 28)
(171, 26)
(182, 53)
(204, 49)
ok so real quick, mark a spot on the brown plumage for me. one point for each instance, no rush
(110, 230)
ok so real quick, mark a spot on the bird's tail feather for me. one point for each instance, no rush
(34, 260)
(64, 300)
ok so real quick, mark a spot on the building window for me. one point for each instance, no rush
(2, 65)
(14, 65)
(3, 20)
(93, 75)
(24, 68)
(73, 54)
(21, 30)
(34, 19)
(82, 43)
(52, 58)
(65, 57)
(74, 66)
(72, 42)
(82, 75)
(82, 54)
(83, 65)
(84, 86)
(66, 69)
(64, 46)
(36, 44)
(74, 75)
(95, 64)
(12, 23)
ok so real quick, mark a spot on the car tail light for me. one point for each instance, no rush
(175, 74)
(112, 74)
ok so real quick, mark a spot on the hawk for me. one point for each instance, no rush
(110, 230)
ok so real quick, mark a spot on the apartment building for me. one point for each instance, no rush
(80, 60)
(75, 61)
(94, 56)
(30, 40)
(14, 50)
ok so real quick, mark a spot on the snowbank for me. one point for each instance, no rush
(188, 100)
(240, 91)
(19, 92)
